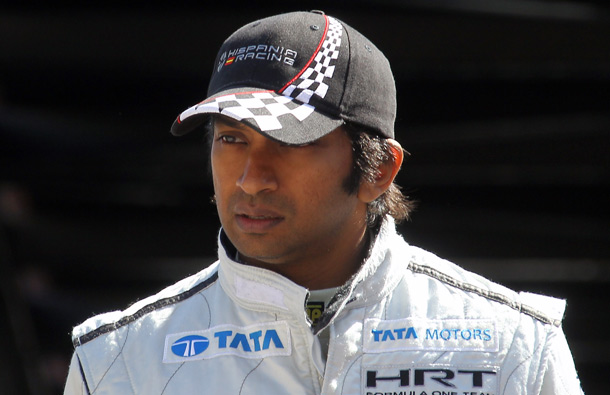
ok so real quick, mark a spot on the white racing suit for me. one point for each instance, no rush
(408, 323)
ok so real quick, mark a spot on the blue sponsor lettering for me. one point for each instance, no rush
(459, 334)
(385, 335)
(241, 339)
(272, 336)
(222, 338)
(255, 336)
(249, 341)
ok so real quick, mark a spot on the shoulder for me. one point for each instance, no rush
(105, 323)
(478, 289)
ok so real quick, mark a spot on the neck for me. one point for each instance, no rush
(326, 269)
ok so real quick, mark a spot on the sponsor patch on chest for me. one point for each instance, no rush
(429, 380)
(414, 334)
(314, 311)
(254, 341)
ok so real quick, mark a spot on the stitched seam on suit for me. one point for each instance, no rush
(112, 364)
(209, 310)
(172, 376)
(133, 389)
(82, 373)
(520, 365)
(145, 310)
(512, 343)
(241, 388)
(494, 296)
(347, 372)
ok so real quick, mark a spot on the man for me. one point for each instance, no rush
(314, 291)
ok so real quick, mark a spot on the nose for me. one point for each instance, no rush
(259, 173)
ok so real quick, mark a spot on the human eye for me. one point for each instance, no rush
(229, 139)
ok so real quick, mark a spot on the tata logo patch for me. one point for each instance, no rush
(413, 334)
(433, 379)
(255, 341)
(189, 346)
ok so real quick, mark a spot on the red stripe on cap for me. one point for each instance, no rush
(312, 57)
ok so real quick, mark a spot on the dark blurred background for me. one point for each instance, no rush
(504, 105)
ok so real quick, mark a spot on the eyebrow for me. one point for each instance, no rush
(227, 121)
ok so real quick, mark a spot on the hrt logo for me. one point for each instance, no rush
(445, 377)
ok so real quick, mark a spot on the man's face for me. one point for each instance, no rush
(284, 205)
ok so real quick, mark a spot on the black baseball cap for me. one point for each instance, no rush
(296, 77)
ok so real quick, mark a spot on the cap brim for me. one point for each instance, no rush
(276, 116)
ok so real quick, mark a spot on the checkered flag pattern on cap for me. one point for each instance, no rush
(311, 82)
(266, 108)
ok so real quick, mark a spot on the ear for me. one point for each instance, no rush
(369, 191)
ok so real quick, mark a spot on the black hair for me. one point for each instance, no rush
(370, 151)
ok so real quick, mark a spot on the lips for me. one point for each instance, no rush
(257, 220)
